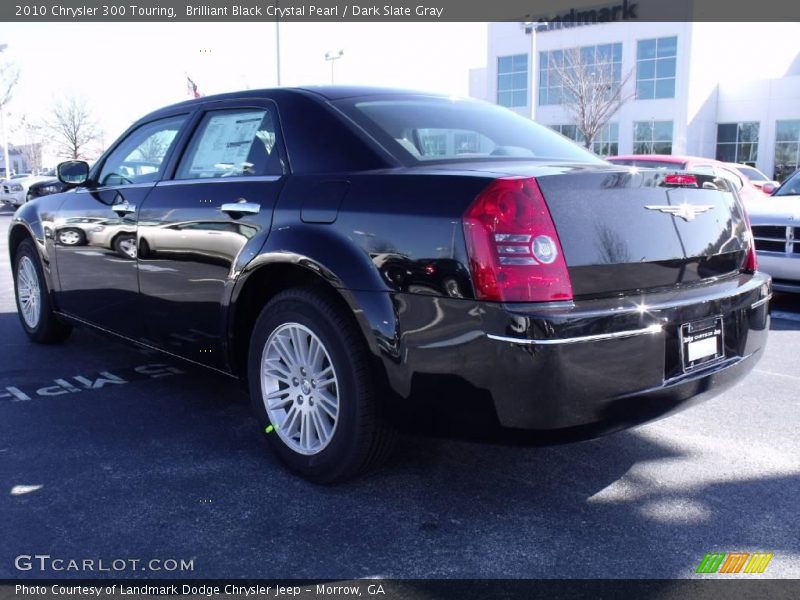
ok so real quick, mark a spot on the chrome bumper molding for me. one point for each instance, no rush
(763, 300)
(651, 330)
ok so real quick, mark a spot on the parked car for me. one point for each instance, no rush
(14, 191)
(744, 187)
(354, 276)
(51, 185)
(74, 231)
(756, 177)
(776, 228)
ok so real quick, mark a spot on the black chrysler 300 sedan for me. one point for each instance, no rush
(344, 251)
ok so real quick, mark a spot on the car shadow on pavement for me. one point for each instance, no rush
(174, 467)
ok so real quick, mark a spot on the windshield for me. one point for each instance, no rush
(790, 187)
(752, 174)
(438, 129)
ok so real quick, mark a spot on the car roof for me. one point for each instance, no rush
(326, 92)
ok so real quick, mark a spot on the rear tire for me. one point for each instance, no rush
(322, 414)
(34, 306)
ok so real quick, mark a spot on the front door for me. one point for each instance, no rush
(193, 228)
(96, 226)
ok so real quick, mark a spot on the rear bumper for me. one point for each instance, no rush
(615, 362)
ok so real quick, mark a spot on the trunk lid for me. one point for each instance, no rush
(622, 231)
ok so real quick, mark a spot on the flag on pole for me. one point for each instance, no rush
(191, 88)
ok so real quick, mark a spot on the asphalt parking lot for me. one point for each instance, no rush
(121, 459)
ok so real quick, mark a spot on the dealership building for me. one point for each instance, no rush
(721, 90)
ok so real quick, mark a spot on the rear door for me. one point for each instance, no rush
(99, 282)
(196, 227)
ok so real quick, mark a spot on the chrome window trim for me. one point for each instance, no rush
(237, 178)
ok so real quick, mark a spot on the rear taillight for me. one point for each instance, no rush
(751, 261)
(513, 247)
(680, 180)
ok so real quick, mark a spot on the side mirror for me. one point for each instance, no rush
(769, 188)
(73, 172)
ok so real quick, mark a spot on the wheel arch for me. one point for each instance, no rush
(265, 278)
(22, 230)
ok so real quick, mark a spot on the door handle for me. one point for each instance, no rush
(124, 209)
(242, 206)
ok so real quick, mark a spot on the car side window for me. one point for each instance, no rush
(233, 143)
(737, 182)
(140, 157)
(703, 169)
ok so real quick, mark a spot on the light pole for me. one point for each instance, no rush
(332, 57)
(278, 49)
(6, 158)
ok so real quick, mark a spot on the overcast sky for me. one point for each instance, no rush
(128, 69)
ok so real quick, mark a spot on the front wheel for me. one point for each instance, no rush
(312, 388)
(33, 299)
(71, 237)
(125, 246)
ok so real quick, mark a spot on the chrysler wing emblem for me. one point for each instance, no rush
(685, 211)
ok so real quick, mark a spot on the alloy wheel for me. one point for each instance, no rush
(299, 388)
(29, 292)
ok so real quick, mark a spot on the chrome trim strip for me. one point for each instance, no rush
(652, 329)
(203, 180)
(758, 303)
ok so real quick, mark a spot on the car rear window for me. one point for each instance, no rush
(438, 129)
(753, 174)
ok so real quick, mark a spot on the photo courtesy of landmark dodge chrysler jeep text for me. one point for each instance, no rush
(346, 251)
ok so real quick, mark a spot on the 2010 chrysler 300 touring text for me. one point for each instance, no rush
(347, 251)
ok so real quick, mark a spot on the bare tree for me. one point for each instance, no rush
(32, 138)
(9, 76)
(154, 148)
(73, 126)
(594, 89)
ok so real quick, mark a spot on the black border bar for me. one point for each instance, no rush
(733, 588)
(568, 12)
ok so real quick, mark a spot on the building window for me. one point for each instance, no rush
(655, 68)
(551, 90)
(737, 142)
(512, 80)
(787, 148)
(652, 137)
(570, 131)
(606, 143)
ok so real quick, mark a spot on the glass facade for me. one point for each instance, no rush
(656, 64)
(787, 147)
(552, 63)
(652, 137)
(737, 142)
(512, 80)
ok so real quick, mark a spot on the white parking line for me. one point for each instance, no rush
(795, 377)
(782, 314)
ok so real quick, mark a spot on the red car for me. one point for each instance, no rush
(707, 166)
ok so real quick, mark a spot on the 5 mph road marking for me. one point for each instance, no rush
(18, 392)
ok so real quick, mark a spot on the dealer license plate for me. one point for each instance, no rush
(702, 342)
